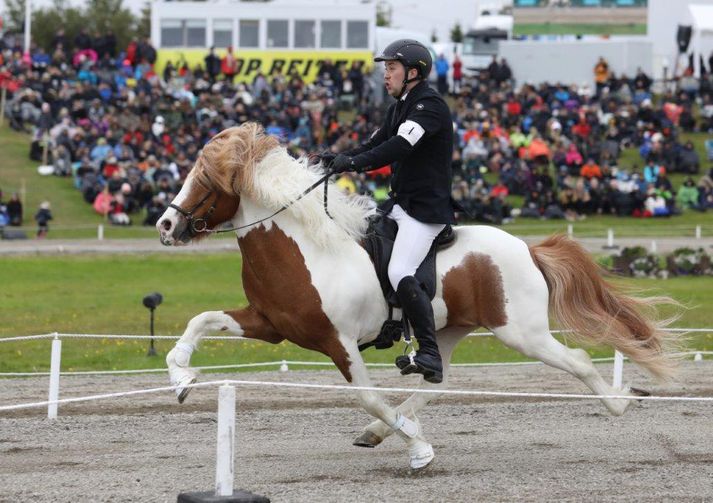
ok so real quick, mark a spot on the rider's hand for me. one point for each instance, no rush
(327, 157)
(342, 163)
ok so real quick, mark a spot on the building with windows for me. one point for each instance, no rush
(284, 35)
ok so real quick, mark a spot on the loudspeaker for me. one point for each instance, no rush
(683, 37)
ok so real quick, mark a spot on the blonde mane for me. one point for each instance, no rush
(246, 161)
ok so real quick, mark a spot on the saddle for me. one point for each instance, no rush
(379, 243)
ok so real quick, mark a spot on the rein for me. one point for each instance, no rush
(198, 225)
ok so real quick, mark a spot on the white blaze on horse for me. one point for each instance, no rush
(309, 280)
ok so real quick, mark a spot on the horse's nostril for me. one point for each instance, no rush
(166, 224)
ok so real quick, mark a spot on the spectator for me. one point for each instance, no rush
(14, 210)
(591, 170)
(442, 67)
(212, 65)
(457, 74)
(42, 217)
(601, 75)
(229, 65)
(688, 196)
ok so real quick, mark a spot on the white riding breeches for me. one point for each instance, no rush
(413, 240)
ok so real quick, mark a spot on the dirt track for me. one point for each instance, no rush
(295, 445)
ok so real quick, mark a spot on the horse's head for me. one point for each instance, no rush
(210, 195)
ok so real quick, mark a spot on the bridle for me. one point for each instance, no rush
(200, 225)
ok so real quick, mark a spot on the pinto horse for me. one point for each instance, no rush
(309, 280)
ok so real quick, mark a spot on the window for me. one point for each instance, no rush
(195, 32)
(331, 36)
(357, 34)
(249, 33)
(222, 32)
(277, 33)
(171, 33)
(304, 34)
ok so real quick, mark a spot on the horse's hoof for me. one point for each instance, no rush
(182, 389)
(367, 439)
(639, 392)
(421, 457)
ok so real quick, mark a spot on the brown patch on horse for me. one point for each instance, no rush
(473, 293)
(279, 287)
(255, 325)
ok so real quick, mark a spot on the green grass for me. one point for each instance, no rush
(102, 295)
(579, 29)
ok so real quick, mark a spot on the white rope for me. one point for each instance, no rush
(239, 338)
(511, 394)
(302, 363)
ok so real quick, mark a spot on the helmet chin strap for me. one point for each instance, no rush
(407, 81)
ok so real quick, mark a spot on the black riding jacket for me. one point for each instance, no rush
(417, 140)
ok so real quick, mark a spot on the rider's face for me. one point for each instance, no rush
(393, 77)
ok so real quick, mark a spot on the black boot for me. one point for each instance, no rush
(417, 308)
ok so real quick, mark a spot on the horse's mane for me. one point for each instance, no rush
(245, 160)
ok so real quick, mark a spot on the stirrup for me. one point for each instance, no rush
(411, 366)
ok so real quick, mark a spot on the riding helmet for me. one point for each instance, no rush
(411, 53)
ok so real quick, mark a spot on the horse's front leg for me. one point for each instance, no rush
(244, 322)
(420, 451)
(377, 431)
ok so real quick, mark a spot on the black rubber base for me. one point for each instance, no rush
(239, 496)
(404, 363)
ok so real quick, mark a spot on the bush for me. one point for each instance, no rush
(689, 262)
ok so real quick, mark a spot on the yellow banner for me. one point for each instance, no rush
(250, 62)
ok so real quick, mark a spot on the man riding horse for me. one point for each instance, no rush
(416, 138)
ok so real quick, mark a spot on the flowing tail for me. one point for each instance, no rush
(599, 312)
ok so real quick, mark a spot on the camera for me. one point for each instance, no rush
(153, 300)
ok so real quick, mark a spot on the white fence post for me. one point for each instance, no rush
(570, 230)
(100, 232)
(226, 441)
(618, 369)
(55, 361)
(654, 248)
(610, 238)
(698, 232)
(284, 367)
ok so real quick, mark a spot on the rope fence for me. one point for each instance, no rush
(225, 444)
(55, 360)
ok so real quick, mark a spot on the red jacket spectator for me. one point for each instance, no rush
(582, 128)
(229, 65)
(591, 170)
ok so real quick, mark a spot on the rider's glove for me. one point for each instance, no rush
(327, 157)
(343, 163)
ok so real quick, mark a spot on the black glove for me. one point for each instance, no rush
(342, 163)
(327, 157)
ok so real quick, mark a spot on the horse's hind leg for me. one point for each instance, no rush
(353, 368)
(537, 342)
(377, 431)
(244, 322)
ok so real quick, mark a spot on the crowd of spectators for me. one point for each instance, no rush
(129, 136)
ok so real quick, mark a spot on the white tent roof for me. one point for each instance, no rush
(702, 16)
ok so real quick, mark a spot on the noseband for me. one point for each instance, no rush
(197, 225)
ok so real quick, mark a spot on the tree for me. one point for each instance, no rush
(15, 10)
(143, 27)
(456, 34)
(383, 14)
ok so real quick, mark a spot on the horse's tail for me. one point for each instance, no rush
(599, 312)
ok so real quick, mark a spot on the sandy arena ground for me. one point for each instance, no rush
(295, 444)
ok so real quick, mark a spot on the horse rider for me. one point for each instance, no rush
(416, 138)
